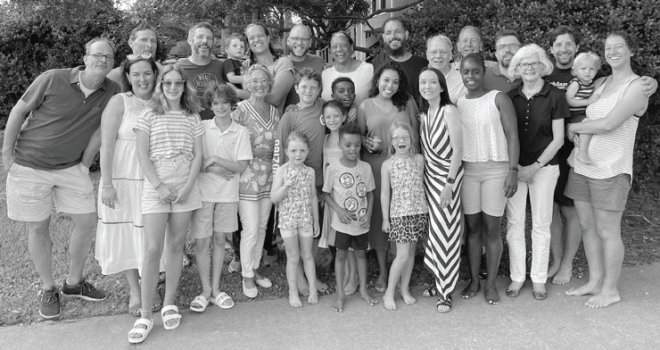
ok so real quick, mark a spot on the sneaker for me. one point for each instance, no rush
(50, 304)
(84, 290)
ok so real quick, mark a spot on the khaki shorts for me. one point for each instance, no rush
(605, 194)
(32, 192)
(212, 218)
(483, 188)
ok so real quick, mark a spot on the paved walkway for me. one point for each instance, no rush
(559, 322)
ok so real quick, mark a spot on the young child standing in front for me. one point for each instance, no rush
(303, 118)
(169, 150)
(348, 190)
(227, 151)
(293, 189)
(405, 211)
(232, 68)
(580, 93)
(333, 118)
(343, 91)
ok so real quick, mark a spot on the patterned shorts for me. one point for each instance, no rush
(408, 229)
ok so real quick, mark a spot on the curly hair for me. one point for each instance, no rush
(402, 95)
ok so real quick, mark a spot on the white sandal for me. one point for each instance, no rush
(170, 317)
(223, 300)
(199, 304)
(142, 332)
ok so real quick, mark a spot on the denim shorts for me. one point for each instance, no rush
(173, 172)
(605, 194)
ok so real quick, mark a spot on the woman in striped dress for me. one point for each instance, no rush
(441, 143)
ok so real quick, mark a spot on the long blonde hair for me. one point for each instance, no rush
(188, 100)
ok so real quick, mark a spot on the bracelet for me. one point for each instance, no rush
(451, 180)
(107, 186)
(539, 163)
(513, 168)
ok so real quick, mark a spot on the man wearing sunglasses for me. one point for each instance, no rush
(51, 138)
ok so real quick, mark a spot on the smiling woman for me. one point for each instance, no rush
(344, 65)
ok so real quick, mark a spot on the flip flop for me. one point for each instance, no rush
(142, 332)
(468, 293)
(199, 304)
(174, 316)
(223, 301)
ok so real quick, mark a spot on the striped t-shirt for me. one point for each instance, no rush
(170, 134)
(611, 152)
(583, 93)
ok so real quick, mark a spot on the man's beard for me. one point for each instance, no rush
(398, 52)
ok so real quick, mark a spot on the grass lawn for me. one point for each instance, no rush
(20, 283)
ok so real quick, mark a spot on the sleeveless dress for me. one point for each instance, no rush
(331, 155)
(119, 235)
(296, 208)
(443, 245)
(408, 206)
(378, 124)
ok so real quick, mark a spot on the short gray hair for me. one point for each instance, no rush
(88, 45)
(527, 51)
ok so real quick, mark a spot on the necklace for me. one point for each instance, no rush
(529, 93)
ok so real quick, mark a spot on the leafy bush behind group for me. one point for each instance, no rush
(41, 39)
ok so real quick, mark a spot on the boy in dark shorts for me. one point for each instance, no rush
(348, 190)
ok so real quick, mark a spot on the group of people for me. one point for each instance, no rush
(356, 156)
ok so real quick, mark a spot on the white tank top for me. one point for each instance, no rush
(483, 135)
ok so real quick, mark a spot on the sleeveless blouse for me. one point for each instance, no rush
(611, 152)
(483, 135)
(408, 197)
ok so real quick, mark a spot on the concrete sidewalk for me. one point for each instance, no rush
(559, 322)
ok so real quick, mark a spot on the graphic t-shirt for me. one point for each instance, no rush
(200, 78)
(349, 188)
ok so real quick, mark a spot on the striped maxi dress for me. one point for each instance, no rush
(442, 247)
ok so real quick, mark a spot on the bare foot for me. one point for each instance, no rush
(321, 287)
(351, 287)
(586, 289)
(388, 301)
(491, 295)
(603, 300)
(339, 305)
(313, 298)
(563, 276)
(408, 298)
(381, 284)
(366, 297)
(553, 269)
(294, 300)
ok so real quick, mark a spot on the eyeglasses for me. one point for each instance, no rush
(510, 47)
(175, 83)
(134, 57)
(532, 65)
(300, 40)
(98, 56)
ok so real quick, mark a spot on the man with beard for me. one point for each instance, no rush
(51, 138)
(497, 77)
(201, 70)
(395, 39)
(298, 43)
